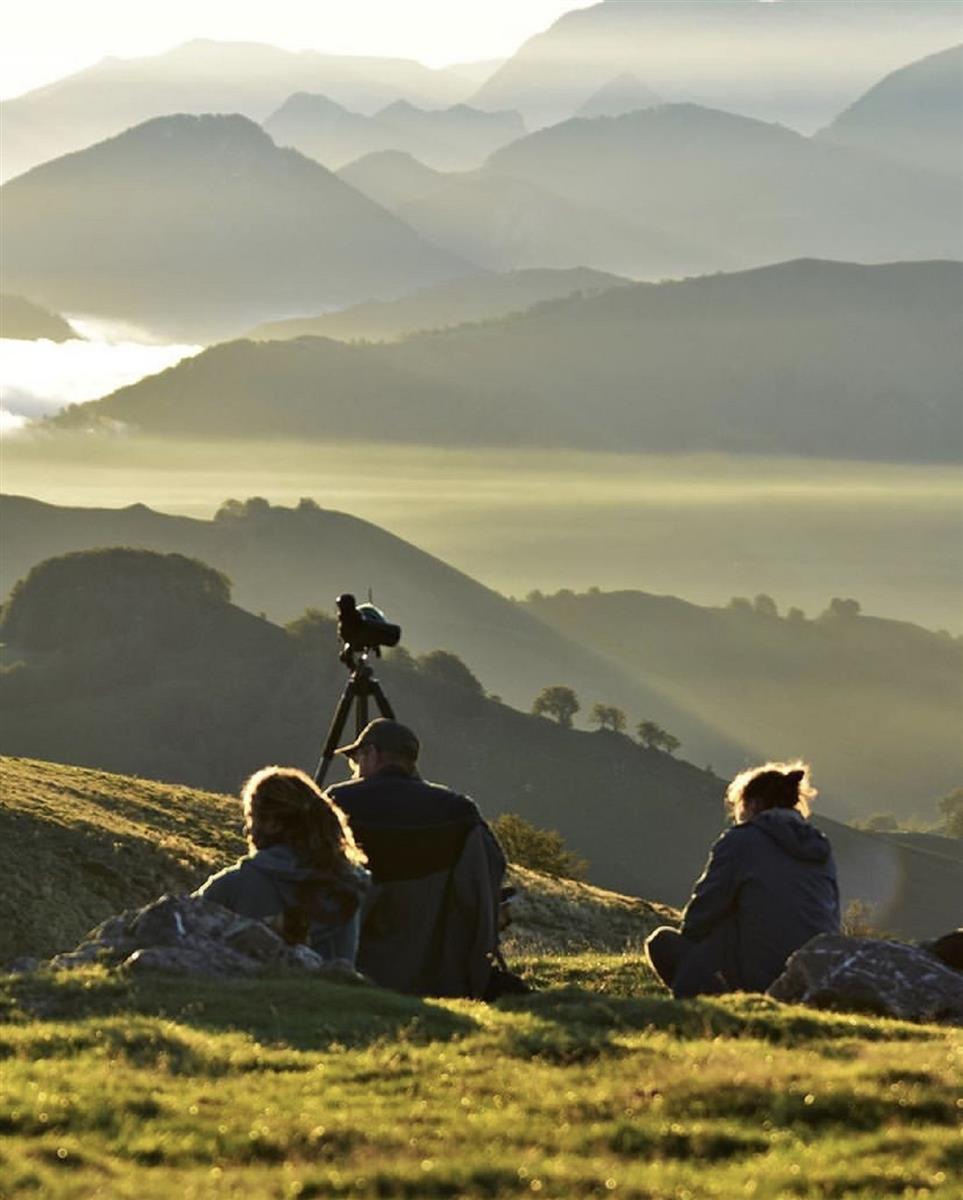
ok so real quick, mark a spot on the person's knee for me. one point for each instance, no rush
(664, 949)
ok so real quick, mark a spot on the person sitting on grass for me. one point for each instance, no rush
(768, 887)
(303, 873)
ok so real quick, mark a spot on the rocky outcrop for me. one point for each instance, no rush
(184, 935)
(867, 975)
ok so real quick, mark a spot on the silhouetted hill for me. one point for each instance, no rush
(390, 177)
(506, 223)
(755, 192)
(913, 116)
(284, 561)
(805, 357)
(473, 298)
(875, 705)
(625, 93)
(201, 225)
(447, 139)
(204, 76)
(208, 693)
(19, 318)
(796, 61)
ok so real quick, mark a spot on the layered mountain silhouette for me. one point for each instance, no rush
(791, 686)
(200, 226)
(806, 357)
(625, 93)
(134, 661)
(471, 298)
(447, 139)
(752, 192)
(19, 318)
(391, 177)
(285, 561)
(506, 222)
(205, 76)
(798, 62)
(913, 116)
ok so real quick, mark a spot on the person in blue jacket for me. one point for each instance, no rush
(768, 887)
(304, 873)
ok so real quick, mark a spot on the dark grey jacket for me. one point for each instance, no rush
(430, 922)
(768, 887)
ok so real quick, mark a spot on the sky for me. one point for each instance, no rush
(44, 40)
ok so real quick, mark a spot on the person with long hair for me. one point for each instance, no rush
(304, 872)
(768, 887)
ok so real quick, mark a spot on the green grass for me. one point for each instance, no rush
(596, 1085)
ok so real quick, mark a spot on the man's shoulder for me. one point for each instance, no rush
(406, 797)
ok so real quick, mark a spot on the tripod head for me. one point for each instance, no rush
(363, 630)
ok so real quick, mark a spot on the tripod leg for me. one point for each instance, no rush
(336, 732)
(384, 706)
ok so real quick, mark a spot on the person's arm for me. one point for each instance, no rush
(714, 895)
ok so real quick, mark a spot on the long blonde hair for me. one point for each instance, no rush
(283, 805)
(773, 785)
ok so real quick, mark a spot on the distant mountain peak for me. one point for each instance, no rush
(622, 94)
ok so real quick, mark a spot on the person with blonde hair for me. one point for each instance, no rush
(304, 872)
(768, 887)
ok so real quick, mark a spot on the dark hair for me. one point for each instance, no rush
(773, 785)
(283, 805)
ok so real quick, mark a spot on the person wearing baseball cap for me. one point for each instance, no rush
(430, 925)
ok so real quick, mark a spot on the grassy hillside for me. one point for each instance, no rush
(97, 843)
(721, 362)
(595, 1085)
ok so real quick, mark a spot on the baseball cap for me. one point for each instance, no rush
(386, 735)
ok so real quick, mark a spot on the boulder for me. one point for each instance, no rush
(868, 975)
(185, 935)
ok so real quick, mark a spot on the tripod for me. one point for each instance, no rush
(361, 684)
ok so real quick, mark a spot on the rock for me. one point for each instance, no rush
(867, 975)
(949, 949)
(185, 935)
(22, 966)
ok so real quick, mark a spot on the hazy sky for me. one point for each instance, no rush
(44, 40)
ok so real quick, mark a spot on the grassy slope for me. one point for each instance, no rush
(595, 1085)
(78, 845)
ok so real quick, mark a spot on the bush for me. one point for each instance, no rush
(537, 849)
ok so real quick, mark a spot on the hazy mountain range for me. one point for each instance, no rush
(206, 76)
(200, 226)
(470, 298)
(798, 62)
(913, 116)
(19, 318)
(806, 357)
(129, 660)
(449, 139)
(875, 704)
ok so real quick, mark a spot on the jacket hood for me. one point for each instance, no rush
(319, 890)
(791, 831)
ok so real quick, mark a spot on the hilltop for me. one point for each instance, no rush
(473, 298)
(137, 662)
(722, 362)
(781, 681)
(219, 228)
(445, 139)
(914, 115)
(19, 318)
(837, 51)
(205, 76)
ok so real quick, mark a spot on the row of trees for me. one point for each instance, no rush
(560, 703)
